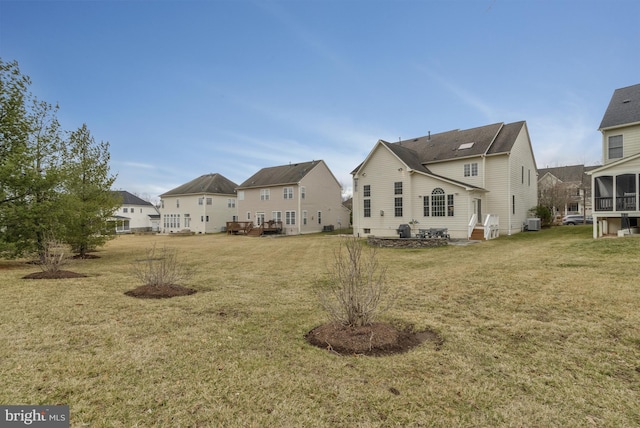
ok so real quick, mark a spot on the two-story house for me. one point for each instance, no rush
(135, 214)
(615, 185)
(303, 197)
(474, 182)
(565, 189)
(203, 205)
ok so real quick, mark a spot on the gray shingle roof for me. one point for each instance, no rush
(489, 139)
(130, 199)
(205, 184)
(279, 175)
(566, 174)
(623, 108)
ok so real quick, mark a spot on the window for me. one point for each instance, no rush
(177, 203)
(187, 220)
(615, 147)
(125, 210)
(241, 195)
(287, 192)
(290, 217)
(303, 192)
(425, 206)
(397, 205)
(207, 219)
(264, 194)
(366, 191)
(366, 230)
(449, 205)
(209, 201)
(231, 203)
(304, 217)
(522, 181)
(355, 184)
(397, 188)
(172, 220)
(200, 201)
(319, 217)
(513, 204)
(471, 169)
(276, 216)
(437, 202)
(162, 203)
(367, 207)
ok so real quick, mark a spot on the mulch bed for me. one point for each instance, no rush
(59, 274)
(377, 339)
(159, 291)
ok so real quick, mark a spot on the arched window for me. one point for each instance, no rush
(438, 202)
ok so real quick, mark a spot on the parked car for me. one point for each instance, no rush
(572, 220)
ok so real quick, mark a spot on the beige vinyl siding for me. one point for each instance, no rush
(380, 172)
(455, 170)
(323, 193)
(219, 213)
(524, 183)
(498, 181)
(630, 142)
(504, 179)
(276, 202)
(457, 224)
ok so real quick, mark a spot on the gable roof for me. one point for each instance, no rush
(623, 109)
(280, 175)
(491, 139)
(417, 153)
(130, 199)
(205, 184)
(570, 173)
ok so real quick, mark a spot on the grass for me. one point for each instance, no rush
(539, 329)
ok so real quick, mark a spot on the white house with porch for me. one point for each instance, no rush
(477, 183)
(615, 185)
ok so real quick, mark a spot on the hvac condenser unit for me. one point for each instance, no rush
(533, 224)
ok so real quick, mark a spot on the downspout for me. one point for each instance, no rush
(509, 199)
(299, 210)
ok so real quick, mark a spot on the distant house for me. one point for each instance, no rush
(615, 185)
(476, 183)
(203, 205)
(566, 189)
(304, 197)
(135, 214)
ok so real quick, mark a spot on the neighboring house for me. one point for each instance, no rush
(135, 214)
(304, 197)
(203, 205)
(565, 189)
(477, 183)
(615, 184)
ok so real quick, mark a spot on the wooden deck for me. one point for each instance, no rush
(247, 228)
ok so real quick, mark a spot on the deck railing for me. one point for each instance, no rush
(472, 225)
(491, 227)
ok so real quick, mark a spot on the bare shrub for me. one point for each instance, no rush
(162, 267)
(355, 292)
(54, 255)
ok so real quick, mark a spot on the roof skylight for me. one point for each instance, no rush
(465, 146)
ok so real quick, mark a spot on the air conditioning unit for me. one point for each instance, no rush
(533, 224)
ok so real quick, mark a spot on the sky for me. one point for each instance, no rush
(185, 88)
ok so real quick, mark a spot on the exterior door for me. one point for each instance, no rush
(260, 218)
(477, 209)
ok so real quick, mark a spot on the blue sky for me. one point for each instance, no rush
(185, 88)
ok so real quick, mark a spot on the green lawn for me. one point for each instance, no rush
(539, 329)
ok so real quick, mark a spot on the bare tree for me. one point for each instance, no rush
(356, 291)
